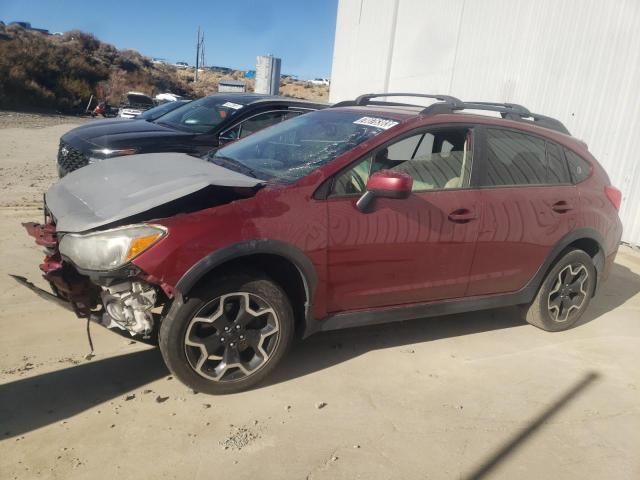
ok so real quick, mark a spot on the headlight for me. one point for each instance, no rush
(109, 249)
(102, 153)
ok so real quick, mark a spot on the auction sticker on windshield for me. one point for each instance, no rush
(235, 106)
(382, 123)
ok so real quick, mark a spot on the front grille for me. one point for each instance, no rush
(70, 159)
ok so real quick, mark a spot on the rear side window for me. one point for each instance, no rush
(557, 167)
(515, 159)
(578, 167)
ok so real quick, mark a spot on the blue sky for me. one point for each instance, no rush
(300, 32)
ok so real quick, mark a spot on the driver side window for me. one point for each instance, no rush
(254, 124)
(436, 160)
(259, 122)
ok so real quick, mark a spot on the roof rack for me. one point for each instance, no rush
(449, 104)
(445, 100)
(513, 111)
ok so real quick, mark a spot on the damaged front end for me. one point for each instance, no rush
(123, 298)
(99, 218)
(66, 283)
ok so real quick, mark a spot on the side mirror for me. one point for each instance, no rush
(385, 184)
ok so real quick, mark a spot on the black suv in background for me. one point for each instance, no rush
(195, 128)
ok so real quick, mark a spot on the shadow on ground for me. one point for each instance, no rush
(327, 349)
(534, 426)
(34, 402)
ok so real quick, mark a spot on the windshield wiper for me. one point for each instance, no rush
(234, 164)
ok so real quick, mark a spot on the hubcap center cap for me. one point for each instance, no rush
(233, 335)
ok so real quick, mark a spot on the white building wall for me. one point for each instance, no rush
(576, 60)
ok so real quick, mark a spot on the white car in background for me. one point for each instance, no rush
(167, 97)
(135, 104)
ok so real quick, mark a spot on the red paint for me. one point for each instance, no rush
(430, 246)
(44, 234)
(390, 182)
(614, 195)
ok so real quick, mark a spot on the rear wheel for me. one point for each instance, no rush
(564, 294)
(229, 335)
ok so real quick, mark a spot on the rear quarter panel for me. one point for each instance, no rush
(596, 210)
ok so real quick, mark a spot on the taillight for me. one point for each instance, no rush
(614, 195)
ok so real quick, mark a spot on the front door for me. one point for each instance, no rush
(412, 250)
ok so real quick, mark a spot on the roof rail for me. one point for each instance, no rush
(352, 103)
(513, 111)
(447, 99)
(449, 104)
(512, 107)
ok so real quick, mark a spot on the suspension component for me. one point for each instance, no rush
(128, 305)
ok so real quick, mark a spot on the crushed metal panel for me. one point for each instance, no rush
(118, 188)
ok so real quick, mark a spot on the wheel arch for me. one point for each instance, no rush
(586, 239)
(284, 263)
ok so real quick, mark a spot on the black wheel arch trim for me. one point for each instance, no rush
(279, 248)
(349, 319)
(568, 239)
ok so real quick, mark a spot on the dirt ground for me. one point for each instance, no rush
(478, 395)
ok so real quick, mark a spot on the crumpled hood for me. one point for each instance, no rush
(109, 191)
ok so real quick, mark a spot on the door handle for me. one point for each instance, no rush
(561, 207)
(462, 215)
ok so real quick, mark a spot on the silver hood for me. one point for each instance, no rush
(117, 188)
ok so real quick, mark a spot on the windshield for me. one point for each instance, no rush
(203, 115)
(160, 110)
(290, 150)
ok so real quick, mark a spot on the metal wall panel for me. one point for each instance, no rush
(577, 60)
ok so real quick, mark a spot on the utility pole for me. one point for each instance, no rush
(199, 52)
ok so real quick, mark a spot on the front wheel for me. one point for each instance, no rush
(229, 335)
(564, 294)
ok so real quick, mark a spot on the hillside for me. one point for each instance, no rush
(40, 72)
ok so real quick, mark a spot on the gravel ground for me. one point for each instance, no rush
(479, 395)
(36, 120)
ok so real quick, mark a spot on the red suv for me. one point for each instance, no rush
(364, 213)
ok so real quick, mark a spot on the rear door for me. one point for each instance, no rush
(529, 205)
(412, 250)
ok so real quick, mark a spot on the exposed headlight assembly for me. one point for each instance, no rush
(109, 249)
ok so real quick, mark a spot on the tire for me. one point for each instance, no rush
(226, 319)
(557, 306)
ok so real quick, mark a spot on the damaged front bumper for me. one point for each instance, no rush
(123, 299)
(64, 280)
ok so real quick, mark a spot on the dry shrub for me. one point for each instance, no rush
(47, 72)
(51, 72)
